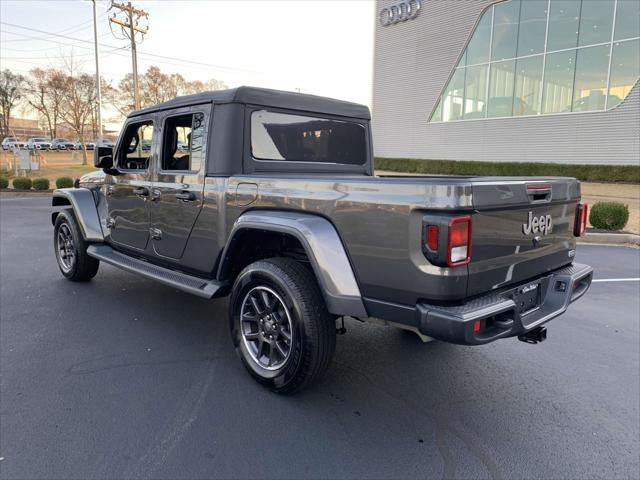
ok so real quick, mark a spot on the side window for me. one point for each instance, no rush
(183, 143)
(135, 150)
(300, 138)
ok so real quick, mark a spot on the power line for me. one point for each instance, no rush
(41, 39)
(48, 40)
(187, 61)
(72, 29)
(52, 57)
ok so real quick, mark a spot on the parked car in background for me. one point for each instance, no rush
(105, 142)
(77, 145)
(39, 143)
(62, 144)
(11, 142)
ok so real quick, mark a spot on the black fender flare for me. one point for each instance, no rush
(323, 247)
(84, 208)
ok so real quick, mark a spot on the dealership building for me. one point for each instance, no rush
(508, 80)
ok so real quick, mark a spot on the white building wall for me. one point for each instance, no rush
(412, 63)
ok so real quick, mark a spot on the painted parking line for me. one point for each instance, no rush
(616, 280)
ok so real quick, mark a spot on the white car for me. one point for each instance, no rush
(39, 143)
(11, 142)
(61, 144)
(77, 145)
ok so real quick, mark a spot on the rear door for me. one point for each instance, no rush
(521, 229)
(128, 191)
(178, 184)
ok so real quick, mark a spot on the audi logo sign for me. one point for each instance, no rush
(400, 12)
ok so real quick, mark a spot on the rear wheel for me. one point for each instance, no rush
(280, 325)
(71, 249)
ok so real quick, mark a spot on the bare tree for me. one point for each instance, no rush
(156, 87)
(46, 95)
(11, 90)
(79, 101)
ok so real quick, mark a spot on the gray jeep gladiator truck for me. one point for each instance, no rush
(274, 202)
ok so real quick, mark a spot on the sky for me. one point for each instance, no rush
(319, 47)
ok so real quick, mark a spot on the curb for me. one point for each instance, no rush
(611, 238)
(10, 193)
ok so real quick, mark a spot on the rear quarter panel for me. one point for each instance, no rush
(379, 221)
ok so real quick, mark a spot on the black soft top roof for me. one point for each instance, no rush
(268, 98)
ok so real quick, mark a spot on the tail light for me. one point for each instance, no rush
(459, 241)
(580, 224)
(433, 232)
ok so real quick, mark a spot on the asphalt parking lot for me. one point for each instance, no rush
(125, 378)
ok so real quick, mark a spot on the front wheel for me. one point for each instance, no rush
(280, 325)
(71, 249)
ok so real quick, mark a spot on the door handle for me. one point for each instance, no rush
(141, 192)
(186, 196)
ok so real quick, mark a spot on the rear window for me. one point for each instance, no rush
(299, 138)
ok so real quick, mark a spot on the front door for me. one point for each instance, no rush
(177, 189)
(128, 192)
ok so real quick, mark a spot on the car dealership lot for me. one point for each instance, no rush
(125, 378)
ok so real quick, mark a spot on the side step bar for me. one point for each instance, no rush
(188, 283)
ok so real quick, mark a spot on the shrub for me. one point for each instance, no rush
(22, 183)
(64, 182)
(609, 215)
(41, 184)
(4, 182)
(587, 173)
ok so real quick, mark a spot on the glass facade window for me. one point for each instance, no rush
(501, 82)
(625, 70)
(527, 90)
(478, 49)
(558, 82)
(627, 19)
(590, 85)
(475, 91)
(536, 57)
(564, 21)
(453, 97)
(595, 22)
(505, 30)
(533, 27)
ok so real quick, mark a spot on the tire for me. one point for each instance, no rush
(69, 242)
(298, 315)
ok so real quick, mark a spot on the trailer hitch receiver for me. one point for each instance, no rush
(536, 335)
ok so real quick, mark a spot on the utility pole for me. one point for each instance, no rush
(95, 42)
(130, 27)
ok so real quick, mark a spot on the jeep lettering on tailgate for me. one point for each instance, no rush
(542, 224)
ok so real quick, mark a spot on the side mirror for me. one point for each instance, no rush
(103, 157)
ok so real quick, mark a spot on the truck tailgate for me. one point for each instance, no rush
(522, 228)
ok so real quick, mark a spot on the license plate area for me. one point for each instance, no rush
(527, 298)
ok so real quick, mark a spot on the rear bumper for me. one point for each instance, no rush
(500, 314)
